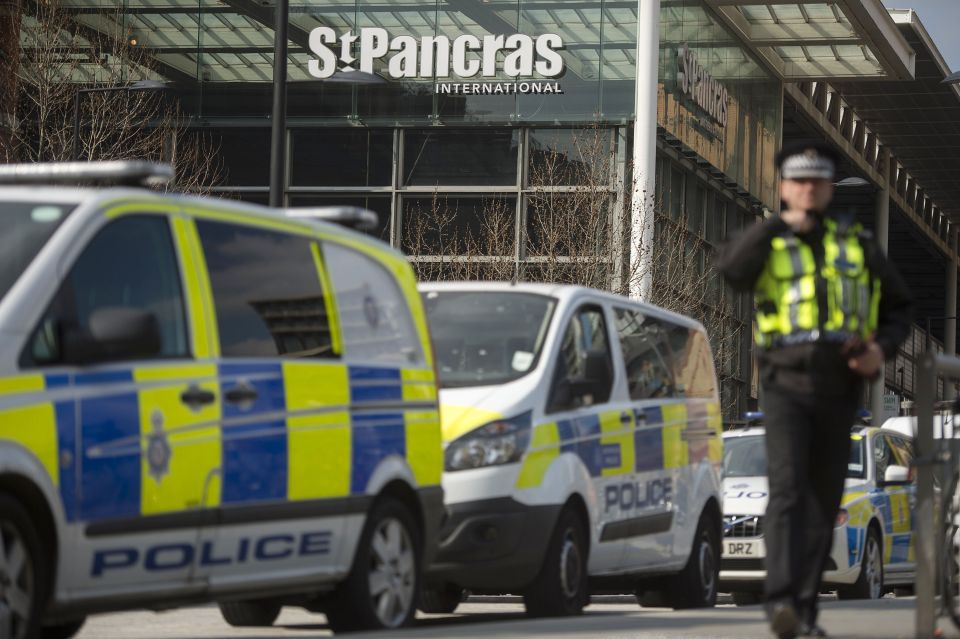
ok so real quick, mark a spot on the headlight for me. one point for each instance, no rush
(493, 444)
(842, 517)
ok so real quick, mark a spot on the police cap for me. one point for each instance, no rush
(807, 160)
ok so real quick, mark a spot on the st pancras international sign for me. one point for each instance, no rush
(474, 61)
(698, 85)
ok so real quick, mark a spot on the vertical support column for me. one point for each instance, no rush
(950, 311)
(882, 232)
(925, 514)
(278, 136)
(644, 149)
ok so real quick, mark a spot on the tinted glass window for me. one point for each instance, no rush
(26, 228)
(267, 293)
(471, 157)
(374, 317)
(882, 456)
(692, 363)
(646, 354)
(486, 338)
(744, 457)
(584, 358)
(351, 157)
(131, 264)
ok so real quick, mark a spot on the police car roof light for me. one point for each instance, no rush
(353, 216)
(116, 172)
(753, 415)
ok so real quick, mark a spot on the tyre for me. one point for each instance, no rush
(746, 598)
(381, 590)
(23, 572)
(696, 585)
(62, 630)
(869, 584)
(250, 614)
(441, 600)
(560, 588)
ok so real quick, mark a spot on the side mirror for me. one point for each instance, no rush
(115, 333)
(896, 475)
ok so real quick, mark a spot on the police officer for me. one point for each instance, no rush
(829, 310)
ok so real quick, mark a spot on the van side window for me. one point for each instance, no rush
(646, 353)
(375, 318)
(584, 372)
(266, 291)
(692, 363)
(129, 265)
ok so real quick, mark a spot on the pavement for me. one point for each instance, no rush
(606, 618)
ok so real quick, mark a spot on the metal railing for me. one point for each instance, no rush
(932, 455)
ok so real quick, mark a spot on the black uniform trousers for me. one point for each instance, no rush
(808, 448)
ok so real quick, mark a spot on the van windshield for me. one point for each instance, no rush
(481, 338)
(26, 228)
(747, 457)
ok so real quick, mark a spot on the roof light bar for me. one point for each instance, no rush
(351, 216)
(118, 172)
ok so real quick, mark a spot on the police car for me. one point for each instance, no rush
(582, 448)
(872, 550)
(203, 400)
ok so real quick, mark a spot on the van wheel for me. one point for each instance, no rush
(250, 614)
(746, 598)
(381, 590)
(441, 600)
(696, 585)
(63, 630)
(869, 584)
(22, 572)
(560, 590)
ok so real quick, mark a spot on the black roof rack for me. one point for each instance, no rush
(353, 216)
(116, 172)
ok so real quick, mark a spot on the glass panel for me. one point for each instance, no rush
(341, 157)
(460, 225)
(568, 225)
(246, 155)
(374, 315)
(378, 204)
(267, 293)
(578, 157)
(647, 361)
(460, 158)
(584, 373)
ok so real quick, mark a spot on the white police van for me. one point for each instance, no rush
(873, 546)
(582, 447)
(202, 400)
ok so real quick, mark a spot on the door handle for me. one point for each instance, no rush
(196, 396)
(242, 393)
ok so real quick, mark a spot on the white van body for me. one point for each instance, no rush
(639, 465)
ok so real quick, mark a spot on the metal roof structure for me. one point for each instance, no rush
(918, 120)
(809, 40)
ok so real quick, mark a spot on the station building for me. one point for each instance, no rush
(464, 99)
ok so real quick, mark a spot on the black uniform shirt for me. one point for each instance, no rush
(818, 367)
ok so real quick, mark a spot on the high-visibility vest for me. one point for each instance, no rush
(788, 310)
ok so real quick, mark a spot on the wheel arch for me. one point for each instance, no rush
(34, 500)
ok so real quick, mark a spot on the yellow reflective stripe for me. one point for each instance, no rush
(34, 428)
(418, 385)
(329, 300)
(459, 420)
(614, 432)
(112, 211)
(203, 324)
(676, 452)
(900, 511)
(190, 477)
(715, 421)
(318, 443)
(544, 448)
(424, 453)
(21, 384)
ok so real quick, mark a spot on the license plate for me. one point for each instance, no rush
(751, 548)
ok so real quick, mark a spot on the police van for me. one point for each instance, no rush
(582, 436)
(873, 543)
(203, 400)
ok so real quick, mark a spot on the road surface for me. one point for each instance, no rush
(610, 618)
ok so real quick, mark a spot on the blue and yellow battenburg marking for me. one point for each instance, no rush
(613, 443)
(313, 430)
(892, 508)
